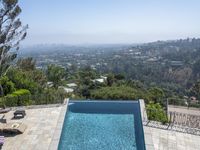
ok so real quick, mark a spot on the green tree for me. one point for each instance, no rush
(122, 92)
(55, 74)
(156, 94)
(196, 68)
(8, 86)
(85, 92)
(195, 90)
(87, 72)
(119, 77)
(34, 81)
(110, 79)
(11, 33)
(27, 64)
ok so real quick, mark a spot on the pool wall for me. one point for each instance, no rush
(58, 131)
(147, 131)
(113, 107)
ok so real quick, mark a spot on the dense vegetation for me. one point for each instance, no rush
(24, 85)
(35, 81)
(172, 66)
(11, 34)
(24, 75)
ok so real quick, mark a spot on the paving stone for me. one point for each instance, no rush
(171, 140)
(39, 132)
(42, 126)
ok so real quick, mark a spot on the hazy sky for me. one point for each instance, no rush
(109, 21)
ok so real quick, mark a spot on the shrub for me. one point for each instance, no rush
(9, 101)
(7, 85)
(23, 97)
(18, 98)
(116, 93)
(49, 96)
(155, 112)
(30, 80)
(177, 101)
(156, 94)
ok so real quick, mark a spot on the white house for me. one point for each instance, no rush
(72, 85)
(66, 89)
(98, 80)
(102, 79)
(50, 84)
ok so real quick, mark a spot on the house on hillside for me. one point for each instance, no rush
(66, 89)
(50, 84)
(98, 80)
(102, 79)
(176, 63)
(72, 85)
(193, 100)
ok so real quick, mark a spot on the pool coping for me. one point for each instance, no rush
(147, 132)
(99, 101)
(58, 130)
(57, 133)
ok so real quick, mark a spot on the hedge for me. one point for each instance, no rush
(156, 112)
(23, 97)
(18, 98)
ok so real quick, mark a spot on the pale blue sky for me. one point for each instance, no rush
(109, 21)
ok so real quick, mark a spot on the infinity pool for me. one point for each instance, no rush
(102, 125)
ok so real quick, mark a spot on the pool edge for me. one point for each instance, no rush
(58, 130)
(148, 143)
(146, 131)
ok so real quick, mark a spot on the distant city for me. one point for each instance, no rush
(98, 56)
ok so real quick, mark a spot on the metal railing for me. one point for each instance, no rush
(181, 122)
(185, 120)
(183, 102)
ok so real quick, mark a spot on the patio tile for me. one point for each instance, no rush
(39, 132)
(171, 140)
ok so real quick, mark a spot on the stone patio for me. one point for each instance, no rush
(41, 124)
(163, 139)
(170, 140)
(44, 127)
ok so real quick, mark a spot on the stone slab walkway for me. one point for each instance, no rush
(41, 124)
(171, 140)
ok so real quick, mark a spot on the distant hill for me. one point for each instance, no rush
(172, 65)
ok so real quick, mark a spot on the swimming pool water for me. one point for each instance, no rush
(95, 131)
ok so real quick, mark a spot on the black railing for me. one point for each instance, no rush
(183, 119)
(181, 122)
(184, 102)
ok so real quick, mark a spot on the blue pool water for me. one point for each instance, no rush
(102, 126)
(98, 131)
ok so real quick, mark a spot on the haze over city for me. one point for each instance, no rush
(109, 21)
